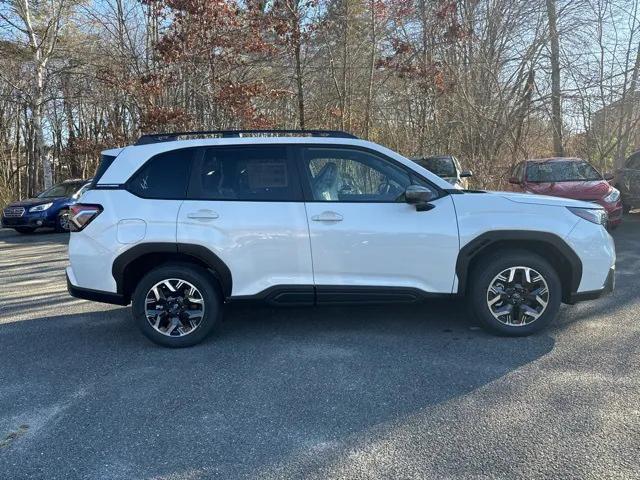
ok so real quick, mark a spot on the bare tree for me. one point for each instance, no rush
(41, 25)
(466, 77)
(556, 94)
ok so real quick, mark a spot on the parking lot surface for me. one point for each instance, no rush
(351, 392)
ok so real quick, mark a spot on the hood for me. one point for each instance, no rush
(30, 202)
(591, 190)
(545, 200)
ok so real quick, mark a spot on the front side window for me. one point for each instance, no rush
(348, 175)
(164, 176)
(561, 171)
(261, 173)
(60, 190)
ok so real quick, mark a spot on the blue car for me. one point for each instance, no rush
(49, 209)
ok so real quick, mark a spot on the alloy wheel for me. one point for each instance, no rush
(63, 221)
(174, 307)
(518, 296)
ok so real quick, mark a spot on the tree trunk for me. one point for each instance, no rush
(556, 105)
(40, 152)
(372, 66)
(298, 60)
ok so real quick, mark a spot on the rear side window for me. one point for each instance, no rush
(262, 173)
(164, 176)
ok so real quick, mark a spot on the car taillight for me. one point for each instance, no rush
(82, 214)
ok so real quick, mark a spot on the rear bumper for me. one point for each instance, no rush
(608, 287)
(95, 295)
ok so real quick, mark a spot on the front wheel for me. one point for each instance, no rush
(62, 221)
(515, 293)
(176, 305)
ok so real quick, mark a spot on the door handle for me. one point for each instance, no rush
(327, 217)
(203, 215)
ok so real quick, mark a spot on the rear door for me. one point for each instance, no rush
(363, 234)
(245, 204)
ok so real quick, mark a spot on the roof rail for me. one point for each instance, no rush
(171, 136)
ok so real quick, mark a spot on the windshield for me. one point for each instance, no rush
(61, 190)
(441, 166)
(570, 171)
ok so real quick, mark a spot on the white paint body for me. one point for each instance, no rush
(265, 244)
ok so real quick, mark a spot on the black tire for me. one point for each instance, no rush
(488, 268)
(25, 230)
(199, 278)
(60, 222)
(626, 208)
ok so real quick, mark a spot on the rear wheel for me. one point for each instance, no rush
(25, 230)
(176, 305)
(515, 293)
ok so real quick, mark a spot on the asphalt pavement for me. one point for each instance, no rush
(343, 392)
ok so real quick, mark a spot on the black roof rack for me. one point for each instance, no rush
(170, 136)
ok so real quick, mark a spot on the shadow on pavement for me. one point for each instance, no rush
(42, 236)
(270, 383)
(99, 401)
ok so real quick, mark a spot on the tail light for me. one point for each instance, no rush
(82, 214)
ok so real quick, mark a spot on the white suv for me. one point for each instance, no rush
(179, 227)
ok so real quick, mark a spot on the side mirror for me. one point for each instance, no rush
(466, 174)
(419, 196)
(514, 180)
(609, 176)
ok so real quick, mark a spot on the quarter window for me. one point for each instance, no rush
(349, 175)
(245, 173)
(164, 176)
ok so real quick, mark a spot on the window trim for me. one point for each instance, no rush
(128, 185)
(306, 184)
(292, 171)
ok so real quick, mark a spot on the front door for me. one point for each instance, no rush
(364, 234)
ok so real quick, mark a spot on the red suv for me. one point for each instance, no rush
(570, 178)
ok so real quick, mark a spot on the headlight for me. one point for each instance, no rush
(613, 196)
(593, 215)
(40, 208)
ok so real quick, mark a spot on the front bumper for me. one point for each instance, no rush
(614, 211)
(615, 214)
(608, 287)
(29, 220)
